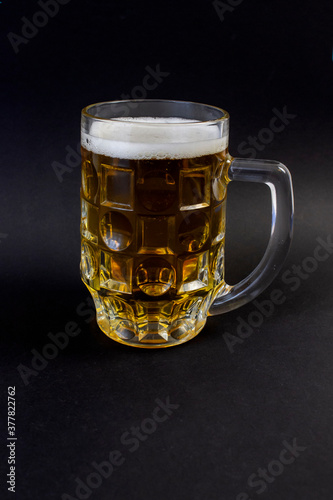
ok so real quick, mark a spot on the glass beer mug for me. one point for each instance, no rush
(153, 201)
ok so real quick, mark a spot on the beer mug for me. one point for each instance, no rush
(153, 207)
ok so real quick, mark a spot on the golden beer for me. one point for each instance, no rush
(152, 236)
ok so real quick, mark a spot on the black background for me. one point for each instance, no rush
(237, 409)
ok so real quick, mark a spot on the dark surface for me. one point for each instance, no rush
(236, 410)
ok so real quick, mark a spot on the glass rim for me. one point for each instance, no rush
(225, 115)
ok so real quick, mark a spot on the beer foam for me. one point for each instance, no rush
(147, 138)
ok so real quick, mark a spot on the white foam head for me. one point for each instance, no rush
(147, 138)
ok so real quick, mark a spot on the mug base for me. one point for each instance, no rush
(149, 331)
(155, 344)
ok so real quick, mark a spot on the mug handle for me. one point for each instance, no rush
(278, 178)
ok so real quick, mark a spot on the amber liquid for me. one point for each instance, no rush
(153, 244)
